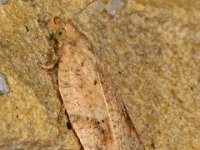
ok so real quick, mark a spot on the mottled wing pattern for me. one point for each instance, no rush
(123, 129)
(83, 98)
(94, 109)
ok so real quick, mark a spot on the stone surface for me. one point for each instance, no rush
(4, 88)
(151, 51)
(3, 2)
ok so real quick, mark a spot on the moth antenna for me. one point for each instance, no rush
(57, 20)
(70, 18)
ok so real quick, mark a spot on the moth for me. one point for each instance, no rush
(96, 112)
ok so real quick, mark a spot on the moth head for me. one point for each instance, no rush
(58, 28)
(63, 30)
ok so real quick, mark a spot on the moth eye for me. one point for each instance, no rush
(60, 34)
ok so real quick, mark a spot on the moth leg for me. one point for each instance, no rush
(55, 63)
(48, 67)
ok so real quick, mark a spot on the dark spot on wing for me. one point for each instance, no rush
(69, 126)
(27, 29)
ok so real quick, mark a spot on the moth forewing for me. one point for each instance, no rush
(83, 98)
(97, 115)
(122, 128)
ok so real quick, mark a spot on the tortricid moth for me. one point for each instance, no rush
(96, 112)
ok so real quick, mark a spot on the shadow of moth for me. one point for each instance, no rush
(97, 115)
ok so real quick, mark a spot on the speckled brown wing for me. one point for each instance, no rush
(98, 117)
(122, 128)
(83, 97)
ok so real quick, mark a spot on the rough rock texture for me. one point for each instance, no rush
(4, 89)
(151, 51)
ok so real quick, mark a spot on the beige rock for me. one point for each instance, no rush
(151, 50)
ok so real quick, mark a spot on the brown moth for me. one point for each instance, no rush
(98, 116)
